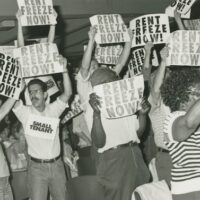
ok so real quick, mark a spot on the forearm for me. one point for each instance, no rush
(147, 67)
(142, 124)
(98, 134)
(123, 57)
(20, 36)
(180, 24)
(51, 35)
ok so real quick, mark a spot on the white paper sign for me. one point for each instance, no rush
(8, 50)
(170, 12)
(10, 77)
(39, 59)
(136, 62)
(184, 48)
(120, 98)
(41, 127)
(192, 24)
(182, 6)
(52, 88)
(36, 12)
(110, 29)
(108, 54)
(150, 28)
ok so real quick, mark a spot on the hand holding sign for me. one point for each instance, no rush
(148, 46)
(63, 62)
(164, 53)
(145, 107)
(95, 103)
(92, 33)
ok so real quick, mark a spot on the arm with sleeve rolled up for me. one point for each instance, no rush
(85, 65)
(186, 125)
(177, 17)
(124, 55)
(20, 36)
(159, 77)
(142, 117)
(52, 30)
(65, 96)
(97, 133)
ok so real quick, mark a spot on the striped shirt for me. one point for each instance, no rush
(185, 157)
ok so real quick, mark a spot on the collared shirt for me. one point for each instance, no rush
(185, 155)
(4, 171)
(44, 147)
(157, 116)
(118, 131)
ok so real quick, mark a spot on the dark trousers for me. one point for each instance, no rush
(120, 171)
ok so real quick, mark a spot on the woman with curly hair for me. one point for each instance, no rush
(181, 92)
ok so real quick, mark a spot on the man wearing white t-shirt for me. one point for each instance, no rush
(41, 125)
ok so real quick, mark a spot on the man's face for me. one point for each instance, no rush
(37, 95)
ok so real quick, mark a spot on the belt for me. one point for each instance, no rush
(123, 145)
(163, 150)
(45, 160)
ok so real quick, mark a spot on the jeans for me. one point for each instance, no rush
(5, 189)
(44, 177)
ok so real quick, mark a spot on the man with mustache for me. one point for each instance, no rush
(45, 169)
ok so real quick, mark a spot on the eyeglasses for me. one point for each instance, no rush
(33, 92)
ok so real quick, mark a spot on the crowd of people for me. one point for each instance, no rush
(169, 109)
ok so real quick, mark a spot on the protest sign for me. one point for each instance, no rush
(184, 48)
(108, 54)
(7, 50)
(52, 88)
(150, 28)
(41, 127)
(182, 6)
(75, 109)
(120, 98)
(192, 24)
(136, 61)
(39, 59)
(36, 12)
(10, 77)
(110, 29)
(170, 12)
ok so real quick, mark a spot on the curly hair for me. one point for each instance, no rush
(177, 88)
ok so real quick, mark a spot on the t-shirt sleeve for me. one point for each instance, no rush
(57, 108)
(21, 112)
(168, 123)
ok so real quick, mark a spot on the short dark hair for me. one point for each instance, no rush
(177, 87)
(39, 82)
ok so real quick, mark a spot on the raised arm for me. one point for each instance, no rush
(159, 77)
(177, 17)
(20, 36)
(97, 134)
(52, 29)
(185, 125)
(125, 54)
(85, 66)
(6, 107)
(67, 91)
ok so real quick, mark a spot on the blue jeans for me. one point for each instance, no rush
(5, 189)
(47, 176)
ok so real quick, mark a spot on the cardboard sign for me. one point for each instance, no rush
(52, 88)
(150, 28)
(120, 98)
(110, 29)
(182, 6)
(8, 50)
(36, 12)
(108, 54)
(184, 48)
(136, 61)
(170, 12)
(10, 77)
(75, 109)
(192, 24)
(39, 59)
(41, 127)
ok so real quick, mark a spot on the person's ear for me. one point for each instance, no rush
(45, 95)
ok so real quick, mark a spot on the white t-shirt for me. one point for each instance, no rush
(41, 128)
